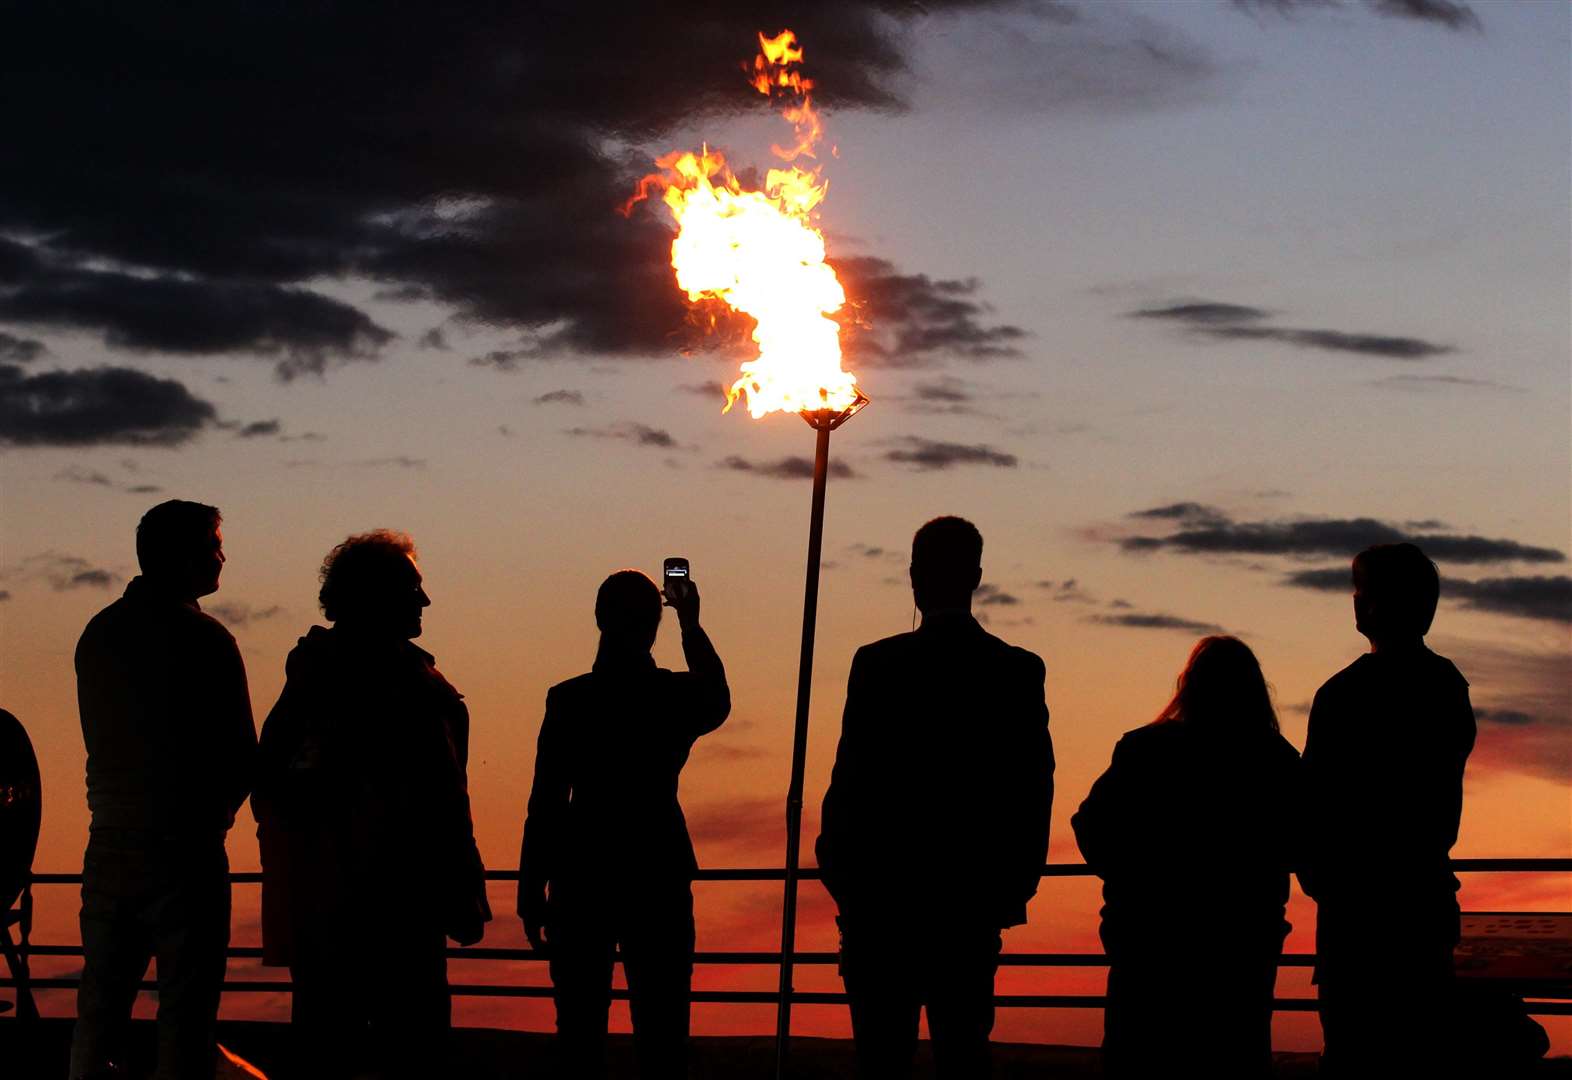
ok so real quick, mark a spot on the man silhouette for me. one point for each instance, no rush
(166, 717)
(606, 859)
(369, 860)
(1384, 756)
(935, 824)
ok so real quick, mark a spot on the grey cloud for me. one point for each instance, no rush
(930, 454)
(1529, 597)
(636, 433)
(1333, 536)
(1155, 621)
(434, 338)
(5, 595)
(1451, 14)
(710, 388)
(560, 397)
(1236, 322)
(1524, 700)
(989, 595)
(65, 572)
(20, 350)
(1181, 511)
(1202, 313)
(1548, 598)
(787, 468)
(1408, 381)
(92, 406)
(1389, 347)
(402, 461)
(910, 320)
(259, 429)
(144, 489)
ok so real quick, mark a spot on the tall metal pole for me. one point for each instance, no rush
(799, 748)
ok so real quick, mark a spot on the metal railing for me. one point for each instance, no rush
(773, 959)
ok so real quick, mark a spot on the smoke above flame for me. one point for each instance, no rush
(759, 252)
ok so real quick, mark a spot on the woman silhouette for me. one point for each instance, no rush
(1192, 830)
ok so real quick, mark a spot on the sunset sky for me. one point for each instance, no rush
(1182, 303)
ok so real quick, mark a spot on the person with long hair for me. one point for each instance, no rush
(1193, 830)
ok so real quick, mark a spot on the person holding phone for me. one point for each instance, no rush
(606, 861)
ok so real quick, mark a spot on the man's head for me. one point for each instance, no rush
(1395, 592)
(946, 564)
(372, 582)
(180, 547)
(627, 610)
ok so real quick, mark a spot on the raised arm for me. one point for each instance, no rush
(708, 697)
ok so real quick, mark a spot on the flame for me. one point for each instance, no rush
(760, 253)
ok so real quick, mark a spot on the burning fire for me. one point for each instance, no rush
(760, 253)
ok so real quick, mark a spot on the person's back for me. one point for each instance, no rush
(935, 824)
(166, 719)
(159, 686)
(941, 810)
(1387, 742)
(1193, 829)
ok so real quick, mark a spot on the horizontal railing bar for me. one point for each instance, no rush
(1462, 866)
(767, 997)
(771, 959)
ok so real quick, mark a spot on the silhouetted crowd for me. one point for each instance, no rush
(934, 831)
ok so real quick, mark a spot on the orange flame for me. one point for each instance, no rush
(760, 253)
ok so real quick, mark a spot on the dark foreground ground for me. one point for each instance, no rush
(487, 1054)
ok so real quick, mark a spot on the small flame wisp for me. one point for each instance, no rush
(759, 251)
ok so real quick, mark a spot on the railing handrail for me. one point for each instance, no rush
(811, 873)
(772, 997)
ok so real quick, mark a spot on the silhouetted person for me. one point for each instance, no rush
(166, 717)
(368, 851)
(935, 825)
(606, 859)
(1384, 756)
(1193, 829)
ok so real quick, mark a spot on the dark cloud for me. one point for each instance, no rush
(1529, 597)
(4, 595)
(1068, 591)
(1154, 621)
(560, 397)
(1392, 348)
(1344, 537)
(868, 551)
(638, 434)
(18, 350)
(144, 489)
(1236, 322)
(239, 614)
(1452, 14)
(989, 595)
(906, 320)
(787, 468)
(186, 190)
(932, 454)
(259, 429)
(1202, 313)
(1503, 716)
(91, 406)
(64, 573)
(434, 338)
(1181, 511)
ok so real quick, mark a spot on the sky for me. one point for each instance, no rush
(1182, 303)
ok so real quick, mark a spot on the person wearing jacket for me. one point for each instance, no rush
(1385, 750)
(368, 850)
(606, 861)
(166, 719)
(934, 830)
(1194, 830)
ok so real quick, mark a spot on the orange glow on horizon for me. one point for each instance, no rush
(759, 252)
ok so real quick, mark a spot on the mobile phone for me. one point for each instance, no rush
(676, 575)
